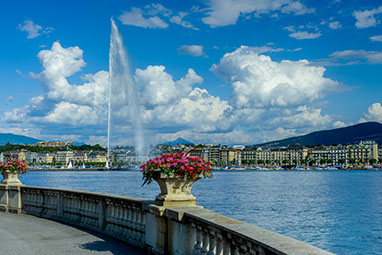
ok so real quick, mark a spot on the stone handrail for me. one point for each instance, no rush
(158, 229)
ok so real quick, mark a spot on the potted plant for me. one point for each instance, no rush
(11, 169)
(175, 175)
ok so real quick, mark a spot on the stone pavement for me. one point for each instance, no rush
(29, 235)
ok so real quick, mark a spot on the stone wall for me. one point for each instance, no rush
(161, 230)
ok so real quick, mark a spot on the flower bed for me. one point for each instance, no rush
(179, 164)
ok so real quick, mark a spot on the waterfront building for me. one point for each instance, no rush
(248, 155)
(196, 152)
(64, 157)
(97, 156)
(359, 152)
(227, 156)
(373, 148)
(54, 144)
(80, 156)
(337, 154)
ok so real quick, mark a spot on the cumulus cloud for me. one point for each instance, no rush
(302, 35)
(374, 113)
(227, 12)
(179, 21)
(265, 95)
(135, 17)
(335, 25)
(33, 30)
(373, 57)
(339, 124)
(193, 50)
(258, 81)
(58, 64)
(376, 38)
(367, 18)
(297, 8)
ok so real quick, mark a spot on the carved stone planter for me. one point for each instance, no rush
(175, 190)
(10, 178)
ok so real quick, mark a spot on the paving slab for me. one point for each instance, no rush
(28, 235)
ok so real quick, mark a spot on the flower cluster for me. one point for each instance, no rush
(179, 164)
(14, 165)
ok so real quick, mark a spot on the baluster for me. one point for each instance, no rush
(219, 244)
(226, 248)
(198, 237)
(212, 245)
(205, 238)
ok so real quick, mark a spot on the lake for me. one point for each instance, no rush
(339, 211)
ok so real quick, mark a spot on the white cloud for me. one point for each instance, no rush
(266, 95)
(260, 82)
(297, 8)
(301, 35)
(33, 30)
(227, 12)
(9, 100)
(335, 25)
(366, 18)
(339, 124)
(71, 114)
(159, 88)
(193, 50)
(376, 38)
(374, 113)
(155, 9)
(179, 21)
(373, 57)
(135, 18)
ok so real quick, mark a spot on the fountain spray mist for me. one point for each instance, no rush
(122, 90)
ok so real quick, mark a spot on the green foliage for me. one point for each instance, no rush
(322, 161)
(330, 161)
(18, 147)
(372, 161)
(260, 161)
(341, 161)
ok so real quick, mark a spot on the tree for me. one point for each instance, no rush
(380, 160)
(260, 161)
(277, 162)
(352, 161)
(244, 162)
(372, 161)
(322, 161)
(285, 161)
(341, 161)
(330, 161)
(267, 161)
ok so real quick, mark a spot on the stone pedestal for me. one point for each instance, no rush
(10, 178)
(175, 191)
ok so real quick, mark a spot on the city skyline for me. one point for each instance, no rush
(209, 71)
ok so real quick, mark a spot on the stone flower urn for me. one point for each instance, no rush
(10, 178)
(175, 190)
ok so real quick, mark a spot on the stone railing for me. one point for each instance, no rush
(160, 230)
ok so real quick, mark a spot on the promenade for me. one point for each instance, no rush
(29, 235)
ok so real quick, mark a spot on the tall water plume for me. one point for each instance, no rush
(123, 93)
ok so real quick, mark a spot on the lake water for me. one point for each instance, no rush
(339, 211)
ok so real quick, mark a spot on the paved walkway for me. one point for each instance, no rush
(29, 235)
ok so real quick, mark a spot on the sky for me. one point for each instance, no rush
(213, 71)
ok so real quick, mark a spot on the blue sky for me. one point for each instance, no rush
(217, 71)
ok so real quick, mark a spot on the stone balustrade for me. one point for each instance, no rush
(160, 230)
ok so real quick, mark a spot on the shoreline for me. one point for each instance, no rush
(76, 169)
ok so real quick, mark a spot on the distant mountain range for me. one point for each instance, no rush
(346, 135)
(17, 139)
(178, 140)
